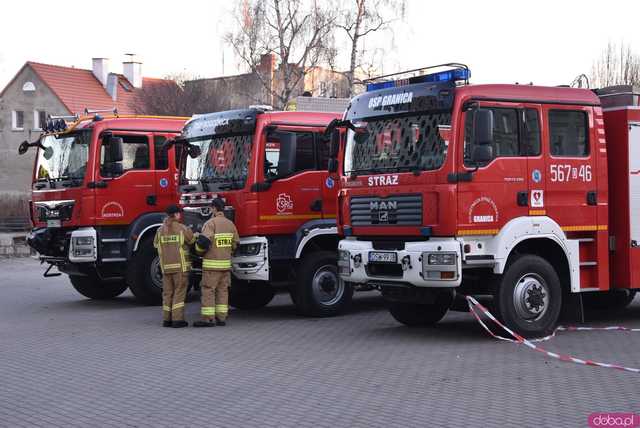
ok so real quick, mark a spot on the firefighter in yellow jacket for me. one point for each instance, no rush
(218, 240)
(171, 241)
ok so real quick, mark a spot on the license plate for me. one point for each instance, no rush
(377, 257)
(54, 223)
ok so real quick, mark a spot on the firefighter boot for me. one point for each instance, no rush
(204, 323)
(166, 323)
(179, 324)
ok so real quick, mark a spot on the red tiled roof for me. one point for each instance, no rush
(79, 89)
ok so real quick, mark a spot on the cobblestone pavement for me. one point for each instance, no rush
(69, 361)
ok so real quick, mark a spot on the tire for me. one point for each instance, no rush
(93, 288)
(250, 295)
(146, 276)
(528, 297)
(421, 315)
(610, 300)
(319, 291)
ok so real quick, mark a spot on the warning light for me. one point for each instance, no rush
(455, 75)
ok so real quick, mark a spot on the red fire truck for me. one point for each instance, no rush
(272, 170)
(528, 194)
(100, 186)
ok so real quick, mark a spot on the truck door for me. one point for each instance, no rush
(294, 197)
(124, 185)
(497, 191)
(570, 198)
(166, 176)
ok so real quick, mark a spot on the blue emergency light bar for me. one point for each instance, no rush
(455, 75)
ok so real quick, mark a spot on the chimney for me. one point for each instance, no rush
(112, 86)
(132, 70)
(267, 63)
(101, 69)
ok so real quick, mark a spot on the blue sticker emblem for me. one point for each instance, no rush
(164, 183)
(536, 176)
(329, 183)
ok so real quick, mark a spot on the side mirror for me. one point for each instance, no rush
(287, 160)
(193, 151)
(114, 145)
(332, 166)
(23, 147)
(483, 127)
(482, 154)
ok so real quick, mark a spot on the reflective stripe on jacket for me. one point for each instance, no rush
(171, 241)
(224, 240)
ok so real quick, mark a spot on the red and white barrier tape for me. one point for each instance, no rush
(475, 305)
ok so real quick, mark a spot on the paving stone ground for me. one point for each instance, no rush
(68, 361)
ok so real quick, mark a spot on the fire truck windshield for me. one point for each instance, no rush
(223, 162)
(63, 158)
(401, 143)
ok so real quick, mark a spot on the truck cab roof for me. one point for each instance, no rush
(529, 93)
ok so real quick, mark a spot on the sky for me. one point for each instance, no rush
(542, 41)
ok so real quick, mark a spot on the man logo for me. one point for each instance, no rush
(384, 210)
(382, 205)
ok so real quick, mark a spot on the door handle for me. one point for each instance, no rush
(101, 184)
(592, 198)
(151, 200)
(316, 205)
(523, 199)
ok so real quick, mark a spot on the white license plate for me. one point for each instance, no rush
(54, 223)
(378, 257)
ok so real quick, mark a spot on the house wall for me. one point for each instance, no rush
(16, 170)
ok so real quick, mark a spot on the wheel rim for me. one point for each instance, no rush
(327, 287)
(531, 297)
(156, 272)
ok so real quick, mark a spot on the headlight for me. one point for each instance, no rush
(442, 259)
(249, 249)
(343, 257)
(83, 240)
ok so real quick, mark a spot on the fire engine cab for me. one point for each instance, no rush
(528, 194)
(271, 168)
(100, 186)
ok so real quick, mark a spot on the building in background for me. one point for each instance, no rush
(242, 90)
(39, 90)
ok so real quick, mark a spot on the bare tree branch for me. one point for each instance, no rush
(361, 18)
(616, 66)
(296, 32)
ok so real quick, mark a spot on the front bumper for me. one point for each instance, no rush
(411, 266)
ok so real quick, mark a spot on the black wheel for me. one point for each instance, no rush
(611, 300)
(528, 297)
(419, 314)
(250, 295)
(319, 291)
(92, 287)
(146, 276)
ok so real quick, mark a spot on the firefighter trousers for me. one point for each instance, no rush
(215, 295)
(174, 292)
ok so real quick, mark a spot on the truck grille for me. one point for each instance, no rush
(405, 210)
